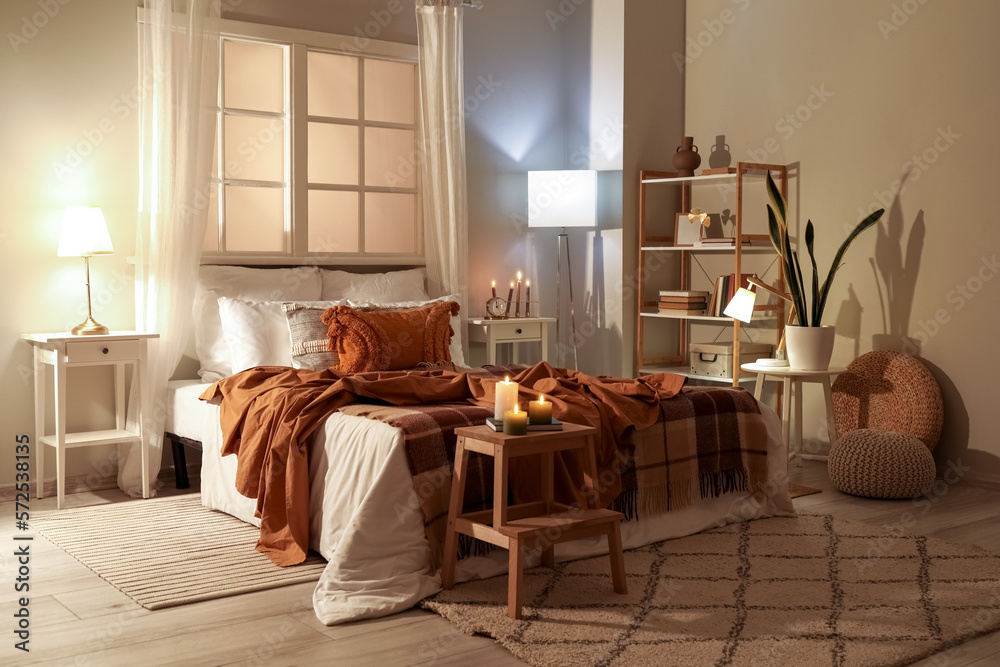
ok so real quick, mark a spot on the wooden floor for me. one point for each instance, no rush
(77, 618)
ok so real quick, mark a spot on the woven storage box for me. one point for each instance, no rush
(881, 464)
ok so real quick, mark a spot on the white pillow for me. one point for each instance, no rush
(296, 284)
(255, 332)
(455, 348)
(377, 288)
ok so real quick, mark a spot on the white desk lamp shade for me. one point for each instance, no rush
(84, 233)
(741, 306)
(562, 198)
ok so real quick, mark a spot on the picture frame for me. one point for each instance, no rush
(686, 234)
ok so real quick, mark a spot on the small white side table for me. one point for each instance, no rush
(513, 330)
(793, 379)
(64, 350)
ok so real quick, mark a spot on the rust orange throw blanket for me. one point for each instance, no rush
(268, 413)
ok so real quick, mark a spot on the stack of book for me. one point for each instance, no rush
(723, 292)
(683, 302)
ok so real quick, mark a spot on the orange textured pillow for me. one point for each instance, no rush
(390, 340)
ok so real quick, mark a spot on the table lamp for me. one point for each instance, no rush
(566, 198)
(741, 308)
(84, 234)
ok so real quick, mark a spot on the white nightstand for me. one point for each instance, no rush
(510, 331)
(793, 379)
(64, 350)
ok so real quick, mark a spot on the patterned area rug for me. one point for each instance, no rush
(164, 552)
(807, 590)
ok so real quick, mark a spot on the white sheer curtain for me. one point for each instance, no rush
(178, 70)
(442, 125)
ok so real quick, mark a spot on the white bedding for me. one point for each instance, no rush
(365, 517)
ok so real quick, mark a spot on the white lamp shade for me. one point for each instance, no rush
(562, 198)
(741, 306)
(84, 233)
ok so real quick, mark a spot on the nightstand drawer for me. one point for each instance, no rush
(517, 330)
(98, 351)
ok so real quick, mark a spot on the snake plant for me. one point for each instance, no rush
(791, 269)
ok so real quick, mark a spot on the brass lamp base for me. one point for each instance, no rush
(89, 328)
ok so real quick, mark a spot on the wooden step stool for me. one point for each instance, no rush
(541, 524)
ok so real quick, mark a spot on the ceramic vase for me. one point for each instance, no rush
(687, 159)
(809, 348)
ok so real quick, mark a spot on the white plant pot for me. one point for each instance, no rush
(809, 348)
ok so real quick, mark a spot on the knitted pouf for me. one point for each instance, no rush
(890, 391)
(881, 464)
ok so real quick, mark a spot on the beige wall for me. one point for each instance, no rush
(859, 94)
(69, 136)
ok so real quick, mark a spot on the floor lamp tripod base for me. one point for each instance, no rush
(564, 242)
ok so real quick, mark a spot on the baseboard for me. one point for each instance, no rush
(92, 482)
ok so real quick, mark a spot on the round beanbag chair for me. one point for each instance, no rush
(890, 391)
(881, 464)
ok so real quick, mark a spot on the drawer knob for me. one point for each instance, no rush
(105, 350)
(518, 331)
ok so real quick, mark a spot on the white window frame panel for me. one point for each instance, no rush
(223, 180)
(299, 43)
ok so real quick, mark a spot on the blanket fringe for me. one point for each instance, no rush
(660, 498)
(470, 546)
(715, 484)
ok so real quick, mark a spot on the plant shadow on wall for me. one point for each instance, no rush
(895, 269)
(898, 269)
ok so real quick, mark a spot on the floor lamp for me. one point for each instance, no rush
(563, 199)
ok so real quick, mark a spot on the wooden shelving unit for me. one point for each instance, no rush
(650, 243)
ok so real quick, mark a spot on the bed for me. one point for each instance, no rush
(363, 512)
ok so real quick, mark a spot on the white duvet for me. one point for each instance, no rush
(365, 517)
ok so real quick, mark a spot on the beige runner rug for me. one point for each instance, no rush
(164, 552)
(803, 591)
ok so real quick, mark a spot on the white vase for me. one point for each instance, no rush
(809, 348)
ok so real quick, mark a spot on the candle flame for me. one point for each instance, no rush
(506, 378)
(515, 408)
(512, 284)
(541, 399)
(528, 283)
(493, 283)
(518, 275)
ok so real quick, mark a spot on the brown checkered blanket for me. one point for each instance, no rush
(706, 442)
(657, 442)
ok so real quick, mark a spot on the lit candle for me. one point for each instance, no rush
(493, 286)
(540, 412)
(527, 298)
(517, 306)
(506, 397)
(515, 422)
(510, 297)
